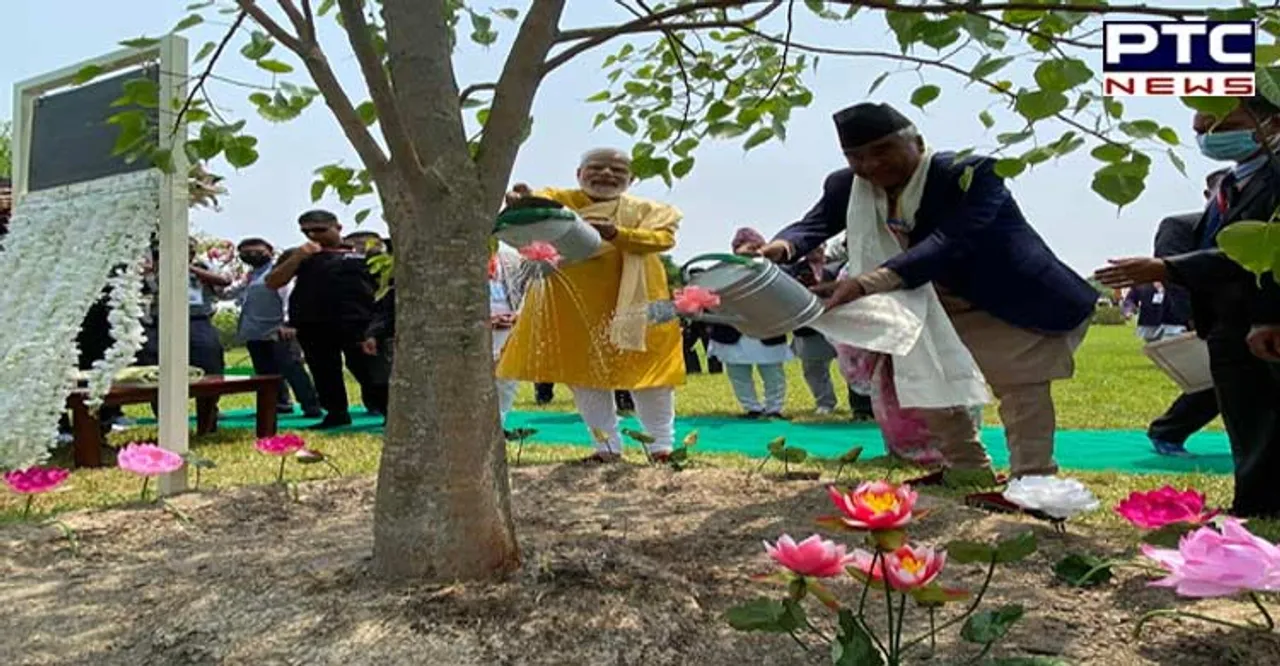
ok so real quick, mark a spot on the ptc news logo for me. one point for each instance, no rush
(1178, 58)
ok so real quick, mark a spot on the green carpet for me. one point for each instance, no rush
(1107, 450)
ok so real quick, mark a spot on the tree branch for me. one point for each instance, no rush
(309, 19)
(513, 97)
(322, 74)
(375, 75)
(472, 90)
(900, 57)
(204, 76)
(654, 22)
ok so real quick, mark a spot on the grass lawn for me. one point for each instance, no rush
(1115, 388)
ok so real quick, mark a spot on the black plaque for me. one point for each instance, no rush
(70, 138)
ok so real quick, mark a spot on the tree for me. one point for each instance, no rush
(681, 73)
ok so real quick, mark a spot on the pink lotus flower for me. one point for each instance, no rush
(35, 480)
(815, 556)
(280, 445)
(1212, 563)
(148, 460)
(541, 251)
(694, 300)
(910, 568)
(1167, 506)
(875, 505)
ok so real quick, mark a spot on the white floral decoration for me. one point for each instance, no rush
(62, 244)
(1057, 498)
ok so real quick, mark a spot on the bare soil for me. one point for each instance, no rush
(622, 565)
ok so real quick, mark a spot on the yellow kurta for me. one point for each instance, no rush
(562, 335)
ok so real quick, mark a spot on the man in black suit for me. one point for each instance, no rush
(1227, 304)
(1190, 411)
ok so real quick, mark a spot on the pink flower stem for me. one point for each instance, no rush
(933, 629)
(1268, 623)
(862, 602)
(973, 606)
(280, 474)
(26, 510)
(892, 655)
(897, 632)
(143, 496)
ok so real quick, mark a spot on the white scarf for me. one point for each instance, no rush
(931, 366)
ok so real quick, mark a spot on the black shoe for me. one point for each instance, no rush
(315, 414)
(284, 409)
(776, 416)
(331, 422)
(753, 416)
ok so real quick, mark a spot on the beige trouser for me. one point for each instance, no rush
(1019, 364)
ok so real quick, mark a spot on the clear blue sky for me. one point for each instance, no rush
(766, 188)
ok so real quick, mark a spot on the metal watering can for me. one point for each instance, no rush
(536, 219)
(756, 296)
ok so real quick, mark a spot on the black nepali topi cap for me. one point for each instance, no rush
(863, 123)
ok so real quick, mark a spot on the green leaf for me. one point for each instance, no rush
(1062, 74)
(362, 215)
(1122, 182)
(1268, 81)
(641, 437)
(140, 42)
(777, 445)
(1266, 54)
(986, 66)
(188, 22)
(368, 112)
(1011, 138)
(925, 94)
(986, 119)
(602, 96)
(1040, 104)
(969, 552)
(259, 46)
(205, 51)
(275, 66)
(766, 615)
(1217, 107)
(1168, 135)
(87, 74)
(1140, 129)
(1110, 152)
(990, 626)
(760, 136)
(1016, 548)
(317, 190)
(1073, 569)
(1114, 107)
(851, 456)
(936, 595)
(718, 110)
(241, 153)
(1252, 244)
(878, 80)
(966, 178)
(626, 124)
(1177, 162)
(853, 645)
(682, 168)
(1009, 167)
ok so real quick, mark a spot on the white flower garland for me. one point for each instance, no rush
(62, 244)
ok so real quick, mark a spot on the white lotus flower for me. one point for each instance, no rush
(1058, 498)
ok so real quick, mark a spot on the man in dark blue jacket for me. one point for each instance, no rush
(1018, 309)
(1230, 310)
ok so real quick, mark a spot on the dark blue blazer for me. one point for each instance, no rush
(974, 243)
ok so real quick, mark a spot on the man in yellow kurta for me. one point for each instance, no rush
(588, 325)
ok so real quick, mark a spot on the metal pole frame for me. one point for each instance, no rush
(171, 52)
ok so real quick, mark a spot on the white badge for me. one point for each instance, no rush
(1158, 298)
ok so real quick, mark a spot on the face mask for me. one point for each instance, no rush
(1230, 146)
(254, 259)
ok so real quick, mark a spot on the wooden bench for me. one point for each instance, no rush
(88, 435)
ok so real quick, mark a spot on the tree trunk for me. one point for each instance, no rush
(443, 499)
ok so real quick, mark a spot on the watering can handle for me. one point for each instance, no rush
(727, 258)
